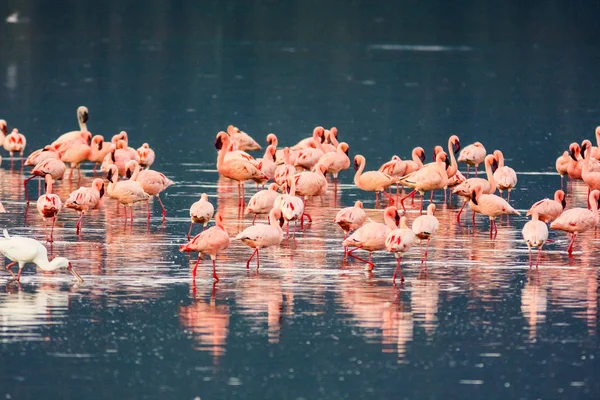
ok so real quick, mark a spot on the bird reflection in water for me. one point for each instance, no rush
(207, 322)
(534, 303)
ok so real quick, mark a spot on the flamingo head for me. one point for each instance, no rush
(271, 138)
(574, 151)
(110, 173)
(222, 139)
(560, 197)
(82, 114)
(584, 146)
(345, 148)
(3, 127)
(421, 154)
(455, 143)
(333, 132)
(436, 150)
(357, 162)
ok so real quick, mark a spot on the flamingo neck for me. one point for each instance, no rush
(136, 171)
(286, 157)
(222, 152)
(453, 164)
(490, 177)
(500, 160)
(416, 158)
(389, 221)
(317, 141)
(359, 172)
(49, 182)
(293, 187)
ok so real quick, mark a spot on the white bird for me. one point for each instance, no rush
(22, 250)
(201, 212)
(399, 241)
(505, 177)
(535, 233)
(262, 202)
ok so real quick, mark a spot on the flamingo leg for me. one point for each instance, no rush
(371, 265)
(431, 196)
(388, 196)
(196, 266)
(25, 185)
(539, 256)
(460, 211)
(251, 256)
(95, 167)
(508, 196)
(148, 208)
(421, 208)
(398, 269)
(8, 268)
(427, 248)
(476, 165)
(254, 219)
(529, 256)
(405, 197)
(78, 226)
(468, 170)
(52, 230)
(190, 231)
(570, 248)
(164, 210)
(215, 276)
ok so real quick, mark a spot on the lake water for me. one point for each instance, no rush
(477, 323)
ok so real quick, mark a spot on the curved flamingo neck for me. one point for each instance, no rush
(49, 183)
(453, 164)
(293, 187)
(490, 176)
(389, 221)
(361, 167)
(333, 139)
(500, 159)
(593, 199)
(136, 171)
(223, 151)
(416, 158)
(317, 140)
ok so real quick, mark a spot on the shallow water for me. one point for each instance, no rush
(474, 322)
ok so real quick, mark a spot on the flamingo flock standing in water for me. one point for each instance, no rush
(299, 173)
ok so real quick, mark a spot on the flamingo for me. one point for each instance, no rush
(118, 156)
(237, 170)
(50, 169)
(590, 174)
(455, 177)
(336, 161)
(285, 170)
(75, 153)
(331, 143)
(49, 205)
(153, 182)
(308, 157)
(505, 177)
(85, 199)
(490, 205)
(472, 155)
(562, 165)
(211, 241)
(399, 241)
(575, 167)
(122, 136)
(427, 178)
(596, 149)
(266, 164)
(577, 220)
(262, 202)
(272, 140)
(125, 192)
(40, 155)
(396, 168)
(22, 250)
(350, 219)
(465, 189)
(291, 206)
(3, 131)
(424, 227)
(242, 140)
(146, 155)
(548, 210)
(99, 150)
(15, 142)
(371, 236)
(416, 163)
(261, 236)
(535, 234)
(372, 181)
(82, 117)
(309, 184)
(201, 212)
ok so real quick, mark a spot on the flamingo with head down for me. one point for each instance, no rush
(398, 242)
(85, 199)
(261, 236)
(372, 181)
(548, 210)
(472, 155)
(201, 212)
(535, 234)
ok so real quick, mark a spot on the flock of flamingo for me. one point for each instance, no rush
(298, 172)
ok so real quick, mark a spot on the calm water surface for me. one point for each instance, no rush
(475, 323)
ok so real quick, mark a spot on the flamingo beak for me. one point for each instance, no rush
(347, 151)
(447, 161)
(274, 157)
(112, 156)
(219, 143)
(102, 191)
(564, 203)
(74, 273)
(355, 165)
(128, 173)
(100, 145)
(323, 138)
(494, 165)
(572, 154)
(183, 247)
(422, 157)
(84, 116)
(397, 218)
(583, 148)
(109, 175)
(474, 198)
(456, 146)
(281, 221)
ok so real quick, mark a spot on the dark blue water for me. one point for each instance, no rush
(522, 78)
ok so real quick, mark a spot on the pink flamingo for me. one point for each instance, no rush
(211, 241)
(548, 210)
(505, 177)
(371, 236)
(99, 150)
(350, 219)
(396, 168)
(372, 181)
(40, 155)
(285, 170)
(309, 184)
(3, 131)
(488, 185)
(490, 205)
(75, 154)
(427, 178)
(589, 174)
(307, 158)
(262, 202)
(153, 182)
(291, 206)
(535, 234)
(336, 161)
(49, 205)
(125, 192)
(596, 149)
(455, 177)
(133, 154)
(85, 199)
(50, 169)
(261, 236)
(398, 242)
(82, 117)
(242, 140)
(15, 142)
(577, 220)
(418, 158)
(472, 155)
(266, 164)
(424, 227)
(237, 170)
(146, 155)
(331, 143)
(575, 167)
(119, 155)
(562, 165)
(201, 212)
